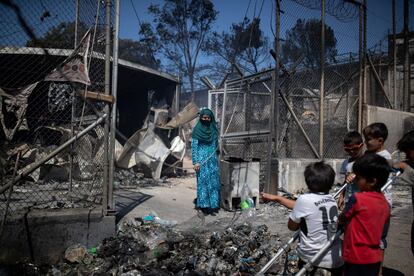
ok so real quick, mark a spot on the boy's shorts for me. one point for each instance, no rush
(321, 271)
(362, 269)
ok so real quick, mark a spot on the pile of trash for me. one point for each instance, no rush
(147, 248)
(129, 178)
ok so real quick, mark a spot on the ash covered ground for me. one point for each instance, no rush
(229, 243)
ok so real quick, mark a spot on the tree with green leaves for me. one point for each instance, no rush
(62, 36)
(244, 45)
(180, 30)
(304, 39)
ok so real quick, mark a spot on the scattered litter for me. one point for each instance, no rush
(141, 248)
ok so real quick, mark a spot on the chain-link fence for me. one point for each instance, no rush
(244, 124)
(52, 60)
(351, 75)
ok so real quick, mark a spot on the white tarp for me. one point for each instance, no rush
(16, 102)
(74, 68)
(152, 153)
(186, 115)
(178, 148)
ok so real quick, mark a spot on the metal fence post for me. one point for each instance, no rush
(106, 180)
(223, 116)
(360, 80)
(114, 108)
(273, 107)
(406, 82)
(76, 23)
(364, 57)
(394, 57)
(322, 84)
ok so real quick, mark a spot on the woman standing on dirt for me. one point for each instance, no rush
(204, 154)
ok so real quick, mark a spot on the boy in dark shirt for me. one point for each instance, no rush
(353, 145)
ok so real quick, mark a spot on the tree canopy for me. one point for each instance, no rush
(179, 30)
(63, 36)
(244, 45)
(304, 39)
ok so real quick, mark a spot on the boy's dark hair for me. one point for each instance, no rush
(407, 142)
(372, 166)
(319, 177)
(376, 130)
(353, 137)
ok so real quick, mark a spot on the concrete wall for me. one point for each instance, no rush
(45, 234)
(290, 177)
(234, 177)
(397, 122)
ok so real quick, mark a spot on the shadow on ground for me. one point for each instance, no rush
(126, 200)
(386, 271)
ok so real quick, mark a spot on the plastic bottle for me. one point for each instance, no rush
(164, 222)
(247, 205)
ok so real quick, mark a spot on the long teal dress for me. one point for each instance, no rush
(208, 177)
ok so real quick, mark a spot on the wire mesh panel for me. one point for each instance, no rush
(301, 52)
(51, 58)
(243, 118)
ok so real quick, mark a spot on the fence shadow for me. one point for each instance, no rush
(126, 200)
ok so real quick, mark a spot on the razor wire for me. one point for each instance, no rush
(299, 107)
(55, 110)
(342, 10)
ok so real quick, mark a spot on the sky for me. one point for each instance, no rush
(379, 17)
(229, 11)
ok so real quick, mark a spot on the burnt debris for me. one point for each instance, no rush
(140, 248)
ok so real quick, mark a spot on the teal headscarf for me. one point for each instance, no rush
(206, 131)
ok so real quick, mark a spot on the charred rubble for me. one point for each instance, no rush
(151, 249)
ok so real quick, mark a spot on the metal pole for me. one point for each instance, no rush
(209, 101)
(268, 188)
(106, 180)
(360, 72)
(283, 249)
(277, 81)
(406, 83)
(76, 23)
(72, 133)
(394, 56)
(32, 167)
(322, 87)
(114, 108)
(178, 95)
(364, 57)
(73, 102)
(273, 106)
(223, 111)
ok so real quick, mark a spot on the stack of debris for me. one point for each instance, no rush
(129, 178)
(157, 143)
(152, 249)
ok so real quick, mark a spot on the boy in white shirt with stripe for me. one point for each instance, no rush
(315, 214)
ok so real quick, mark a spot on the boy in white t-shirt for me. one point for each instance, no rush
(375, 135)
(315, 214)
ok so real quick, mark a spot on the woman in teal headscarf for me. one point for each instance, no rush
(204, 153)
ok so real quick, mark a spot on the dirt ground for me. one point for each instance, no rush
(173, 201)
